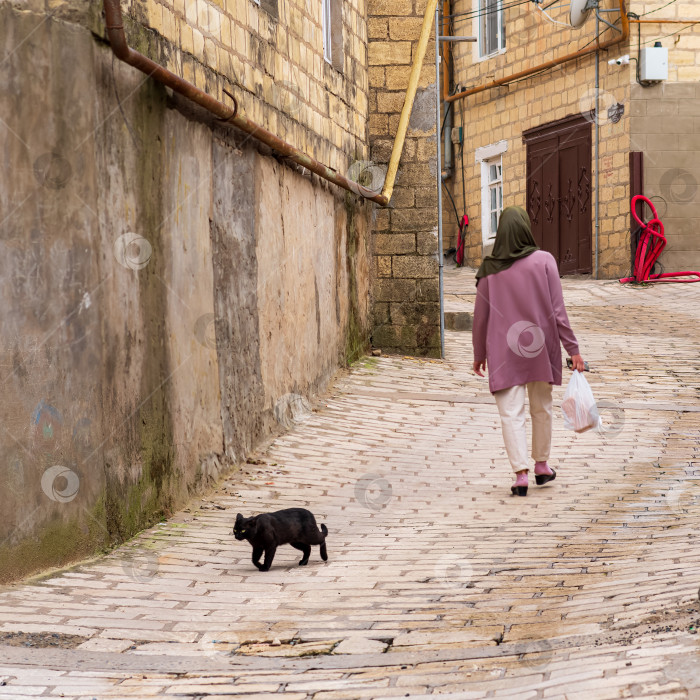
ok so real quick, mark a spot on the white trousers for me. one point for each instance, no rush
(511, 406)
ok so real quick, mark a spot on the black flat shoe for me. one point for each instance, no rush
(518, 490)
(541, 479)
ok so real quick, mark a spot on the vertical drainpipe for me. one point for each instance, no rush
(597, 147)
(448, 141)
(438, 121)
(446, 82)
(447, 171)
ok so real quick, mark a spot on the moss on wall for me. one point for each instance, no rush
(132, 505)
(130, 508)
(357, 332)
(121, 512)
(55, 545)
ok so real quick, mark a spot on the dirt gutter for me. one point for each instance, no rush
(227, 114)
(598, 46)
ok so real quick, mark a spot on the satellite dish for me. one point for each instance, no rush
(578, 13)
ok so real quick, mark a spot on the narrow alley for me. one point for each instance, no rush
(438, 581)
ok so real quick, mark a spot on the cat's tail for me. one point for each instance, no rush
(324, 552)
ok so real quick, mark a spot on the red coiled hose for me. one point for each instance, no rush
(652, 242)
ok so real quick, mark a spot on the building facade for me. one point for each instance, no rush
(536, 139)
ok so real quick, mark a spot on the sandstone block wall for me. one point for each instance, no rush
(683, 46)
(270, 57)
(664, 126)
(404, 240)
(666, 129)
(504, 113)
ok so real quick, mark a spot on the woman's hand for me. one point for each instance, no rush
(577, 363)
(479, 366)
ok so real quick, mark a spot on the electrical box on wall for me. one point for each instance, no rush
(456, 134)
(653, 63)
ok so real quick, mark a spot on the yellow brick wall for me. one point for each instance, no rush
(274, 67)
(682, 40)
(505, 112)
(665, 128)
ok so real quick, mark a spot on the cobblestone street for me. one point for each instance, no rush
(438, 581)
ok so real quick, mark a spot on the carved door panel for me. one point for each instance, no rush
(559, 191)
(543, 195)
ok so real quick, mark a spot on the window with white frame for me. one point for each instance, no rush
(326, 24)
(495, 193)
(332, 24)
(491, 159)
(492, 35)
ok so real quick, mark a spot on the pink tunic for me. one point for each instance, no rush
(519, 321)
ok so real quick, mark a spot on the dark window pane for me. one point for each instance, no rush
(492, 26)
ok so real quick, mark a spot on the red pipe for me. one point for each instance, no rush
(122, 50)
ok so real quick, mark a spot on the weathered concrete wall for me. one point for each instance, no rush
(666, 129)
(405, 260)
(143, 349)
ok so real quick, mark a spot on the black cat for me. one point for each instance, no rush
(266, 532)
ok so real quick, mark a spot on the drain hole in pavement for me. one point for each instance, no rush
(41, 640)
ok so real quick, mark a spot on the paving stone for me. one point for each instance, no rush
(217, 689)
(21, 691)
(471, 592)
(359, 645)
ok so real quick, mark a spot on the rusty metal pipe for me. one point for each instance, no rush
(122, 50)
(598, 46)
(665, 21)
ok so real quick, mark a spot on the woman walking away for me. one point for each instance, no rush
(519, 322)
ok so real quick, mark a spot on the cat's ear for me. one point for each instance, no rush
(239, 517)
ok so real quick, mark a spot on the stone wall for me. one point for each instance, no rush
(166, 305)
(269, 55)
(681, 40)
(664, 126)
(404, 241)
(666, 129)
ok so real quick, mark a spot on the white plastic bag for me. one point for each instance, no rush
(579, 407)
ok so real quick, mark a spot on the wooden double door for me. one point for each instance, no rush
(559, 191)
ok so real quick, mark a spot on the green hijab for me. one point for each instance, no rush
(513, 241)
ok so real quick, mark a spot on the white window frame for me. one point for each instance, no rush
(488, 156)
(479, 53)
(326, 26)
